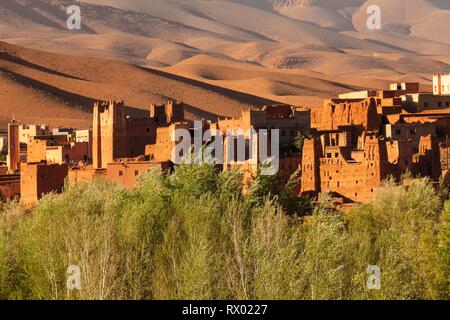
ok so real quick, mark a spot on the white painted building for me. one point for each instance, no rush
(441, 85)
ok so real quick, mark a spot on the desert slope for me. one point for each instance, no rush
(57, 89)
(209, 53)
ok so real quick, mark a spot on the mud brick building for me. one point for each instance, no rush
(116, 135)
(38, 179)
(348, 157)
(9, 186)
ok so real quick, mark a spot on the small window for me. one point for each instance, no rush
(398, 132)
(425, 105)
(120, 173)
(439, 104)
(447, 104)
(413, 131)
(136, 172)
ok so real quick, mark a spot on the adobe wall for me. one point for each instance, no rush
(13, 158)
(167, 113)
(310, 176)
(409, 131)
(288, 166)
(85, 174)
(127, 173)
(429, 163)
(37, 179)
(117, 136)
(140, 132)
(9, 187)
(109, 133)
(333, 115)
(85, 136)
(432, 102)
(29, 131)
(36, 150)
(3, 170)
(161, 149)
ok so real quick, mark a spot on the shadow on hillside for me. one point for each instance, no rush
(241, 97)
(85, 103)
(25, 63)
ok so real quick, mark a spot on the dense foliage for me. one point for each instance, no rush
(192, 234)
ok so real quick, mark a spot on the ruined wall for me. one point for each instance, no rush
(167, 113)
(409, 131)
(333, 115)
(310, 176)
(429, 162)
(355, 175)
(352, 180)
(175, 111)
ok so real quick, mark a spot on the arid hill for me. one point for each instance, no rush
(56, 89)
(293, 51)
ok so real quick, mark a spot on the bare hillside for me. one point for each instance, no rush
(60, 89)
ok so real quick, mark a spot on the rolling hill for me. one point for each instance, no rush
(217, 55)
(56, 89)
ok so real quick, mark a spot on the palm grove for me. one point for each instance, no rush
(192, 234)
